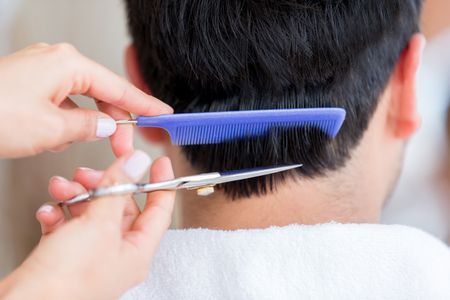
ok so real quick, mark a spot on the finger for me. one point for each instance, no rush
(128, 168)
(153, 134)
(90, 179)
(68, 104)
(60, 148)
(61, 190)
(106, 86)
(90, 78)
(82, 124)
(161, 171)
(35, 46)
(156, 217)
(50, 217)
(122, 139)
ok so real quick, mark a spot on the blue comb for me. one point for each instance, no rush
(218, 127)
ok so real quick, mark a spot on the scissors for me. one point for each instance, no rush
(195, 182)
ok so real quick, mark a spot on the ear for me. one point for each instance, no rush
(133, 70)
(404, 119)
(135, 76)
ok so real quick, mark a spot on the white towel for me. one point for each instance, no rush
(330, 261)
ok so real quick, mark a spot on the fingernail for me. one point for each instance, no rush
(46, 208)
(86, 169)
(169, 108)
(105, 127)
(137, 164)
(59, 178)
(90, 172)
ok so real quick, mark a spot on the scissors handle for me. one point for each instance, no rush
(124, 189)
(187, 182)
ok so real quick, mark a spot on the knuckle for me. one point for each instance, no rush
(166, 215)
(67, 56)
(122, 99)
(39, 45)
(61, 148)
(64, 48)
(56, 125)
(65, 131)
(87, 125)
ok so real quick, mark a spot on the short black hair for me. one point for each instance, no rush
(219, 55)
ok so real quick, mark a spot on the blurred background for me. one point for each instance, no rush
(98, 29)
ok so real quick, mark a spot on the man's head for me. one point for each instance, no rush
(218, 55)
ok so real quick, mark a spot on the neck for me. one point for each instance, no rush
(293, 202)
(352, 194)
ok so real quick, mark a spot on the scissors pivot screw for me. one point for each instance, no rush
(205, 191)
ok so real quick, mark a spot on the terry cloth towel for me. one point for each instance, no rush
(329, 261)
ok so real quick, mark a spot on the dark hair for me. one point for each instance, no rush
(219, 55)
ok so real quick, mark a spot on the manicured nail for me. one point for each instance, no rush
(93, 174)
(59, 178)
(86, 169)
(137, 164)
(46, 208)
(169, 108)
(105, 127)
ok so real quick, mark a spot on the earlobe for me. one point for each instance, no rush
(403, 114)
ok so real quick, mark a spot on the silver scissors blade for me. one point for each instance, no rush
(186, 182)
(237, 175)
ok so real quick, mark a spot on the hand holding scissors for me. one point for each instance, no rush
(145, 228)
(107, 246)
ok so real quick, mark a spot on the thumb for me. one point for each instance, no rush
(128, 168)
(82, 124)
(157, 214)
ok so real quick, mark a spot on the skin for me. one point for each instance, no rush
(42, 98)
(353, 194)
(112, 240)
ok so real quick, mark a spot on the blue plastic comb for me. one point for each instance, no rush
(217, 127)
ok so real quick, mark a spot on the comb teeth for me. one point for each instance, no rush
(214, 134)
(218, 127)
